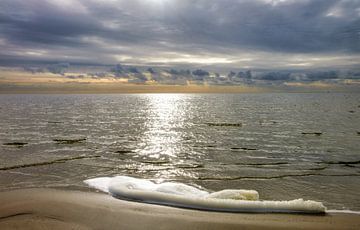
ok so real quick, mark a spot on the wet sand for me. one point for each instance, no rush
(60, 209)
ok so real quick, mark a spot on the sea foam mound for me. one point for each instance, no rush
(182, 195)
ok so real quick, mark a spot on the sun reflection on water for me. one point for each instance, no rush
(166, 115)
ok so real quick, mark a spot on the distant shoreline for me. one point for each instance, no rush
(124, 88)
(68, 88)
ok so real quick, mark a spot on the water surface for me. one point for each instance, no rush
(285, 146)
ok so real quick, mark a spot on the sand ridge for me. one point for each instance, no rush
(61, 209)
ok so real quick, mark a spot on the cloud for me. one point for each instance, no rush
(173, 76)
(181, 32)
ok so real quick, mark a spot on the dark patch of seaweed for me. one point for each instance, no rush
(57, 161)
(270, 177)
(69, 141)
(155, 162)
(16, 144)
(318, 168)
(312, 133)
(340, 162)
(224, 124)
(189, 166)
(123, 151)
(263, 164)
(243, 148)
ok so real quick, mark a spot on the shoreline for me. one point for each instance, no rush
(60, 209)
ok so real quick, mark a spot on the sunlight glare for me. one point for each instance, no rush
(163, 138)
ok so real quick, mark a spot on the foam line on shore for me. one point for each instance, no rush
(343, 211)
(182, 195)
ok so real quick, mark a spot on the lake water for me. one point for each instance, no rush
(285, 146)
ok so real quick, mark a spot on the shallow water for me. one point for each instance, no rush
(286, 146)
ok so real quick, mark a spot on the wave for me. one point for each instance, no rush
(186, 196)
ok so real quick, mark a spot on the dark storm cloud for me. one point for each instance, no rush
(291, 26)
(46, 23)
(110, 31)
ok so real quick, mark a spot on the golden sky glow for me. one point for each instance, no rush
(16, 81)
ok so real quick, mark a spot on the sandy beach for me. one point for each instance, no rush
(58, 209)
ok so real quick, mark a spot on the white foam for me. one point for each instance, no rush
(181, 195)
(235, 194)
(101, 183)
(343, 211)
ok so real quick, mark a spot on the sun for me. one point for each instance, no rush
(157, 2)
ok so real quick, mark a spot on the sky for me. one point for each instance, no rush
(272, 34)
